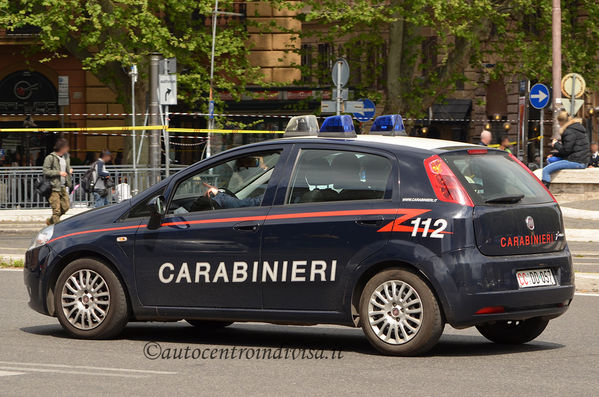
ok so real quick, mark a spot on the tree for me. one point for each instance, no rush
(424, 46)
(108, 36)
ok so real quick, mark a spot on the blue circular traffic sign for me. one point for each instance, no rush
(368, 113)
(539, 96)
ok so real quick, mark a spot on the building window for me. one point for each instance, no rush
(306, 63)
(325, 63)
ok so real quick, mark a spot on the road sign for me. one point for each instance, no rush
(368, 112)
(573, 85)
(341, 67)
(211, 110)
(354, 107)
(572, 108)
(167, 66)
(167, 89)
(539, 96)
(63, 90)
(344, 94)
(327, 107)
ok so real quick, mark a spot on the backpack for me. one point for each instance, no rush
(87, 180)
(43, 187)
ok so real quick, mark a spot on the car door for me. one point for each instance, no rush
(203, 253)
(325, 222)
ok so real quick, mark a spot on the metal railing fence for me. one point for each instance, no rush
(17, 185)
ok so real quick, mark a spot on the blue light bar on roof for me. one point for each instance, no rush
(338, 126)
(389, 124)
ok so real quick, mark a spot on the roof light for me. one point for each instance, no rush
(389, 124)
(446, 185)
(302, 126)
(338, 126)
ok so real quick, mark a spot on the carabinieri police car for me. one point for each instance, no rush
(394, 234)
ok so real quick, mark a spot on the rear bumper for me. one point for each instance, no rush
(484, 281)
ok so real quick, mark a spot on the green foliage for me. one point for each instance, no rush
(391, 40)
(107, 36)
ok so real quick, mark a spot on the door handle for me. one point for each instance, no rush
(247, 226)
(376, 220)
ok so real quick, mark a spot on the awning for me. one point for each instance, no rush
(452, 110)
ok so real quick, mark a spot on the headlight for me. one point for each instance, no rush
(42, 237)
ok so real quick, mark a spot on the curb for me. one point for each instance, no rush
(34, 215)
(580, 214)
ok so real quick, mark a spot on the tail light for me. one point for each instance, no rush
(491, 310)
(446, 185)
(533, 175)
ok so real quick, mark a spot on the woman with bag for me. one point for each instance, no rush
(57, 170)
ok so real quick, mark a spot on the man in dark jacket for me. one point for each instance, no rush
(57, 169)
(573, 149)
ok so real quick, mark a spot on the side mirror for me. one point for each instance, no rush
(157, 208)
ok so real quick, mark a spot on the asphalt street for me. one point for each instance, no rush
(36, 355)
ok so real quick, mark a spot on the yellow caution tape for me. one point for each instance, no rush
(140, 128)
(206, 131)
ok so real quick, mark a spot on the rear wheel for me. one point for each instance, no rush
(89, 300)
(209, 324)
(513, 331)
(400, 314)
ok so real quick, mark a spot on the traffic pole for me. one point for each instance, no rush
(154, 120)
(541, 137)
(134, 135)
(556, 35)
(339, 99)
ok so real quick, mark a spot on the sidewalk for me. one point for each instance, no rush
(8, 217)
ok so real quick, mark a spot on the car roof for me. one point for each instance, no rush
(407, 142)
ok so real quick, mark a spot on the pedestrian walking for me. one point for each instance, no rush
(594, 163)
(57, 169)
(485, 138)
(572, 149)
(102, 181)
(505, 144)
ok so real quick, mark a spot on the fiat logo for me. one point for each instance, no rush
(530, 223)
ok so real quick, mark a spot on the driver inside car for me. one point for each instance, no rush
(227, 201)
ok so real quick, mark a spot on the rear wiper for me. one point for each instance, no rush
(506, 199)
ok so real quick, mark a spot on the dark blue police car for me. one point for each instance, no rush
(397, 235)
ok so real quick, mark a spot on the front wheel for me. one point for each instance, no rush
(90, 301)
(400, 314)
(513, 332)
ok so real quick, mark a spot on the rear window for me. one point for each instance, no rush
(495, 178)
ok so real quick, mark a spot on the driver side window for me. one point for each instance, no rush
(241, 182)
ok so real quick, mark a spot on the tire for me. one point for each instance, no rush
(400, 334)
(513, 332)
(209, 324)
(93, 305)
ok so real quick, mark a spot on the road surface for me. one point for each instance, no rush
(36, 355)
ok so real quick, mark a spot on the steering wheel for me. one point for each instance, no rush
(227, 191)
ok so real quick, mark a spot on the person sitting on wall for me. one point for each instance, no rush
(572, 148)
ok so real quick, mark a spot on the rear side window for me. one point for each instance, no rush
(495, 178)
(337, 175)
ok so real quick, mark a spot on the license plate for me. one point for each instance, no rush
(535, 278)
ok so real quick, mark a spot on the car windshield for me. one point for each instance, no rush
(496, 178)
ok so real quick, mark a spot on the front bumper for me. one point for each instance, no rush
(486, 281)
(34, 274)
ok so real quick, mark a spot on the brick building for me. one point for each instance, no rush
(29, 86)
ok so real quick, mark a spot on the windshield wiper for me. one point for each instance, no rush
(506, 199)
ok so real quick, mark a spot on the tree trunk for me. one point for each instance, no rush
(394, 64)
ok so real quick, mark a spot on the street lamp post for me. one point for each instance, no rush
(556, 35)
(215, 14)
(133, 74)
